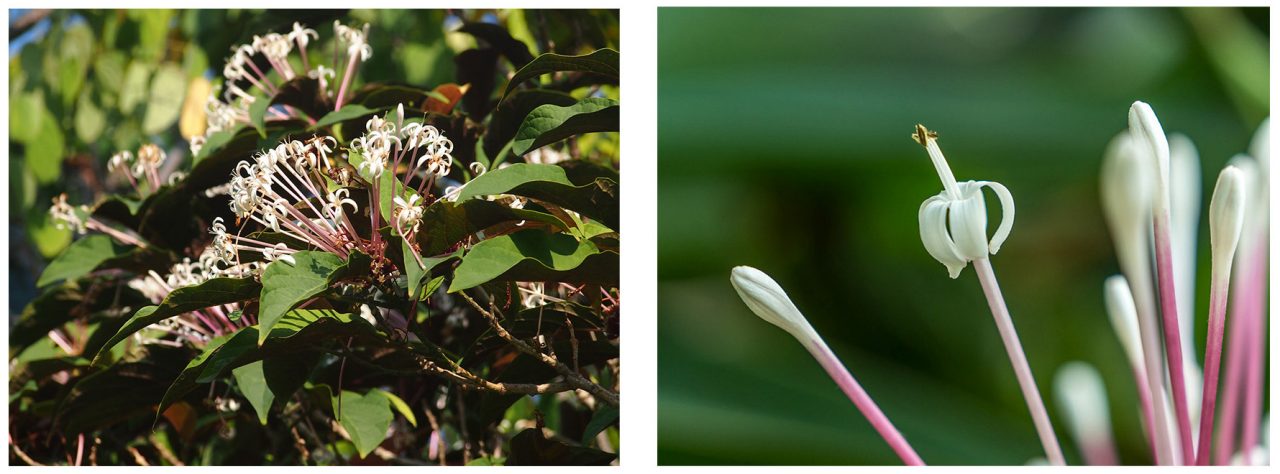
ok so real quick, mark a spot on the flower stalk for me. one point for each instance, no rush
(1226, 218)
(1146, 130)
(767, 300)
(962, 206)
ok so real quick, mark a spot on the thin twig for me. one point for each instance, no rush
(570, 376)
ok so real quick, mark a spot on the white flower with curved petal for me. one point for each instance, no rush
(966, 240)
(962, 207)
(340, 198)
(408, 213)
(302, 35)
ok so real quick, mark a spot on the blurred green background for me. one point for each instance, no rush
(785, 144)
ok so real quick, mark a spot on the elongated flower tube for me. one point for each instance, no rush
(1261, 151)
(962, 206)
(1146, 130)
(1226, 218)
(1124, 321)
(1083, 398)
(767, 300)
(1184, 206)
(1128, 188)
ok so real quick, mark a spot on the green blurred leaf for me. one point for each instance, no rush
(604, 417)
(48, 238)
(26, 110)
(46, 152)
(602, 62)
(134, 88)
(168, 89)
(549, 123)
(400, 406)
(81, 258)
(76, 51)
(366, 418)
(89, 119)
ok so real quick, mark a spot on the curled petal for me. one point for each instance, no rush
(933, 233)
(1006, 213)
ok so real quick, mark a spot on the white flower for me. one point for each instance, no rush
(66, 217)
(1083, 399)
(120, 161)
(338, 199)
(278, 252)
(963, 206)
(408, 214)
(300, 35)
(1149, 136)
(1128, 186)
(767, 300)
(322, 75)
(1226, 214)
(1124, 317)
(355, 40)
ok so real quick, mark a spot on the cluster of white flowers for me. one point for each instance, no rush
(232, 108)
(276, 190)
(141, 167)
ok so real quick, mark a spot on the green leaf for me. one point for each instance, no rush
(80, 258)
(348, 112)
(258, 115)
(134, 88)
(45, 153)
(603, 62)
(89, 118)
(168, 89)
(596, 198)
(219, 353)
(366, 419)
(493, 257)
(399, 405)
(264, 381)
(183, 300)
(285, 286)
(299, 331)
(26, 109)
(550, 123)
(253, 384)
(605, 416)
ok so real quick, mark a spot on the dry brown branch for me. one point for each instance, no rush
(570, 376)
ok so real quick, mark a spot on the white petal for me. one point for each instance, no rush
(1146, 129)
(1226, 213)
(968, 221)
(933, 233)
(1124, 317)
(768, 301)
(1006, 214)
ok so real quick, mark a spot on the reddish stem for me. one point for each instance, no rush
(840, 374)
(1172, 337)
(1212, 360)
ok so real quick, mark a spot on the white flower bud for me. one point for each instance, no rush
(1226, 213)
(1127, 186)
(1082, 397)
(767, 300)
(1149, 135)
(1124, 317)
(1260, 148)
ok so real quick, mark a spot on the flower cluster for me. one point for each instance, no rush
(246, 82)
